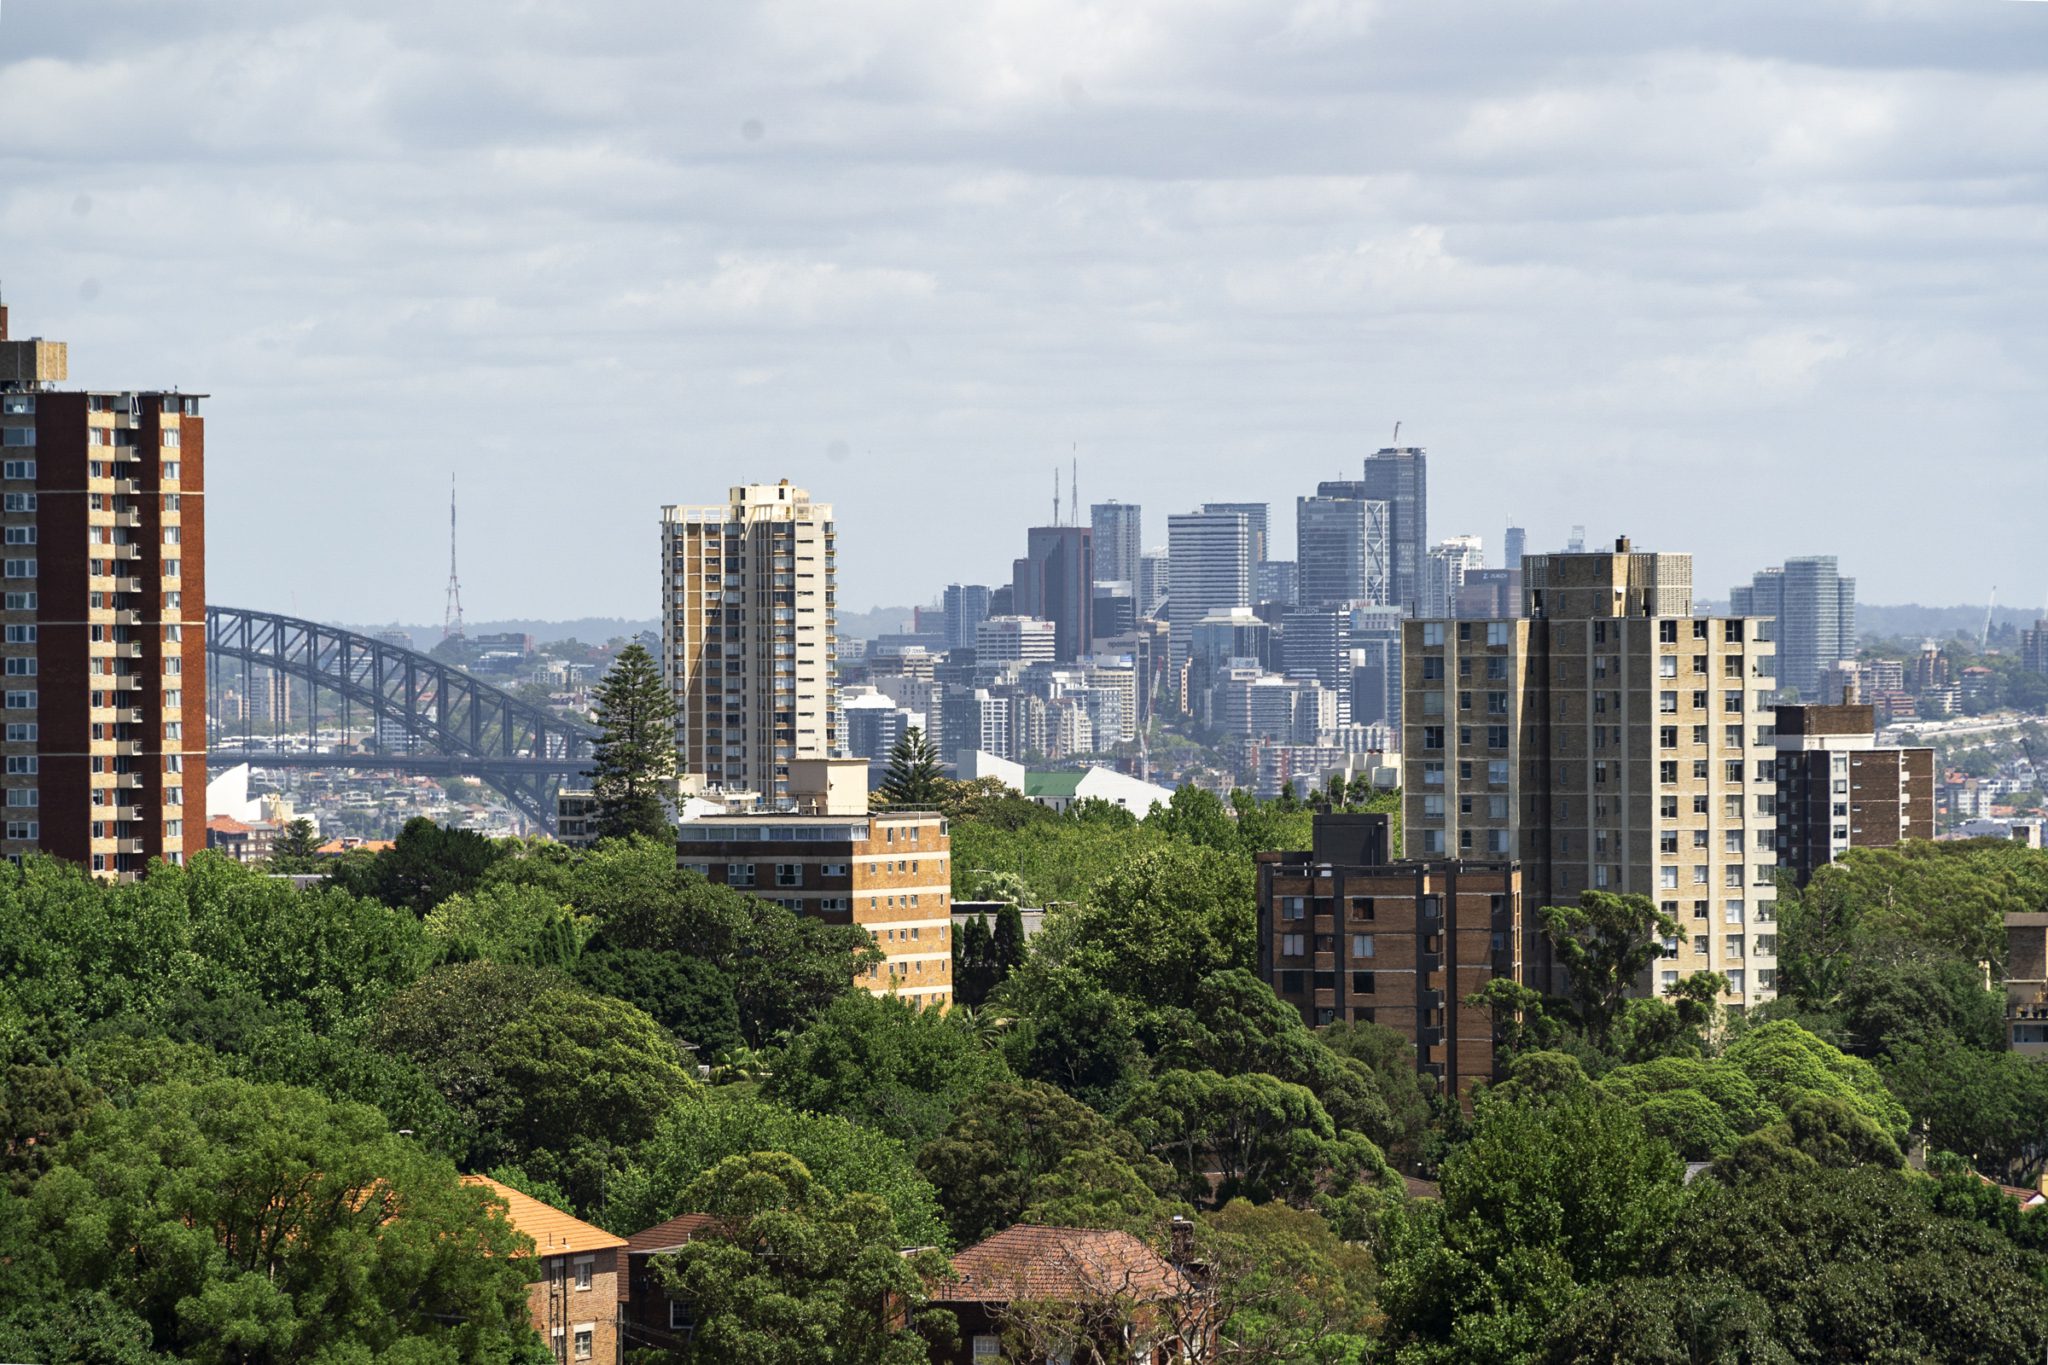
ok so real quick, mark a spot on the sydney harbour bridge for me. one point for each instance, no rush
(451, 723)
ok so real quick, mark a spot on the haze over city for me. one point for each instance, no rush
(1737, 280)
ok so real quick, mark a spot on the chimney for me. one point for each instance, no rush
(1181, 1246)
(1621, 545)
(3, 322)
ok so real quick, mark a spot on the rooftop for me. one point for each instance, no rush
(1030, 1262)
(554, 1233)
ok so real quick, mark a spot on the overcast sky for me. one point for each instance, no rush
(1746, 278)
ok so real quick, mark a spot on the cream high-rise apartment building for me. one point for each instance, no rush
(748, 636)
(1612, 741)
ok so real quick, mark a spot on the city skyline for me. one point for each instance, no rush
(1574, 308)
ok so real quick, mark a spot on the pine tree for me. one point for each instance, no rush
(972, 962)
(634, 760)
(1006, 945)
(296, 849)
(914, 777)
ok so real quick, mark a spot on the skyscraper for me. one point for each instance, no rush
(1517, 541)
(105, 616)
(1342, 544)
(1210, 554)
(1255, 517)
(1816, 611)
(1119, 541)
(1155, 573)
(1448, 565)
(1055, 581)
(965, 606)
(1614, 742)
(1399, 476)
(749, 635)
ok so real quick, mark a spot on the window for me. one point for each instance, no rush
(20, 502)
(584, 1337)
(24, 796)
(1432, 633)
(1496, 736)
(789, 874)
(23, 734)
(21, 635)
(1432, 841)
(19, 568)
(21, 535)
(1667, 736)
(21, 701)
(1361, 945)
(1433, 670)
(581, 1269)
(1667, 632)
(1667, 665)
(1432, 736)
(1293, 945)
(1731, 912)
(1667, 702)
(1496, 703)
(1668, 980)
(18, 469)
(1667, 878)
(1496, 632)
(1433, 772)
(24, 829)
(1667, 771)
(1432, 807)
(1667, 841)
(19, 667)
(22, 763)
(1293, 907)
(739, 874)
(1497, 772)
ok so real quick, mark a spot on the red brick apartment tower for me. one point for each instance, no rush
(102, 626)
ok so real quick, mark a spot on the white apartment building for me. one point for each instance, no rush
(748, 635)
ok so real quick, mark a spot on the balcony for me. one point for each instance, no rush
(127, 519)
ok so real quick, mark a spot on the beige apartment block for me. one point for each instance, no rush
(1611, 741)
(749, 635)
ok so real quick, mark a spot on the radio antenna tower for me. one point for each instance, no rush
(451, 623)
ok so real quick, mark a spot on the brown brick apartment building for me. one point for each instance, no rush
(576, 1299)
(1838, 790)
(889, 872)
(1347, 933)
(102, 624)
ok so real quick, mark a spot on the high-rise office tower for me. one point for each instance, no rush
(1255, 518)
(1816, 611)
(1211, 558)
(1055, 581)
(1614, 742)
(1448, 565)
(1315, 643)
(748, 635)
(105, 616)
(1399, 477)
(1343, 541)
(1277, 581)
(1517, 541)
(1119, 541)
(965, 606)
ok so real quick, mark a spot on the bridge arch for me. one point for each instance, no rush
(479, 730)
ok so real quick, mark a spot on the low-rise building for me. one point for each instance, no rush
(1346, 933)
(890, 872)
(576, 816)
(1029, 1292)
(246, 841)
(576, 1297)
(652, 1318)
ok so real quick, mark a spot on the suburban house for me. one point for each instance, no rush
(1045, 1288)
(576, 1300)
(653, 1319)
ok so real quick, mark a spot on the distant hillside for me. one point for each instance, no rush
(593, 630)
(1936, 622)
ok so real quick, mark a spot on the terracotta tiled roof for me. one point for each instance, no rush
(668, 1236)
(1028, 1262)
(554, 1233)
(226, 824)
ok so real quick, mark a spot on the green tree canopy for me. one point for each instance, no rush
(240, 1222)
(1546, 1202)
(993, 1161)
(425, 865)
(882, 1062)
(699, 1132)
(547, 1075)
(1784, 1062)
(794, 1274)
(633, 763)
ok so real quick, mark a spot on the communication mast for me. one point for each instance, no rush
(451, 622)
